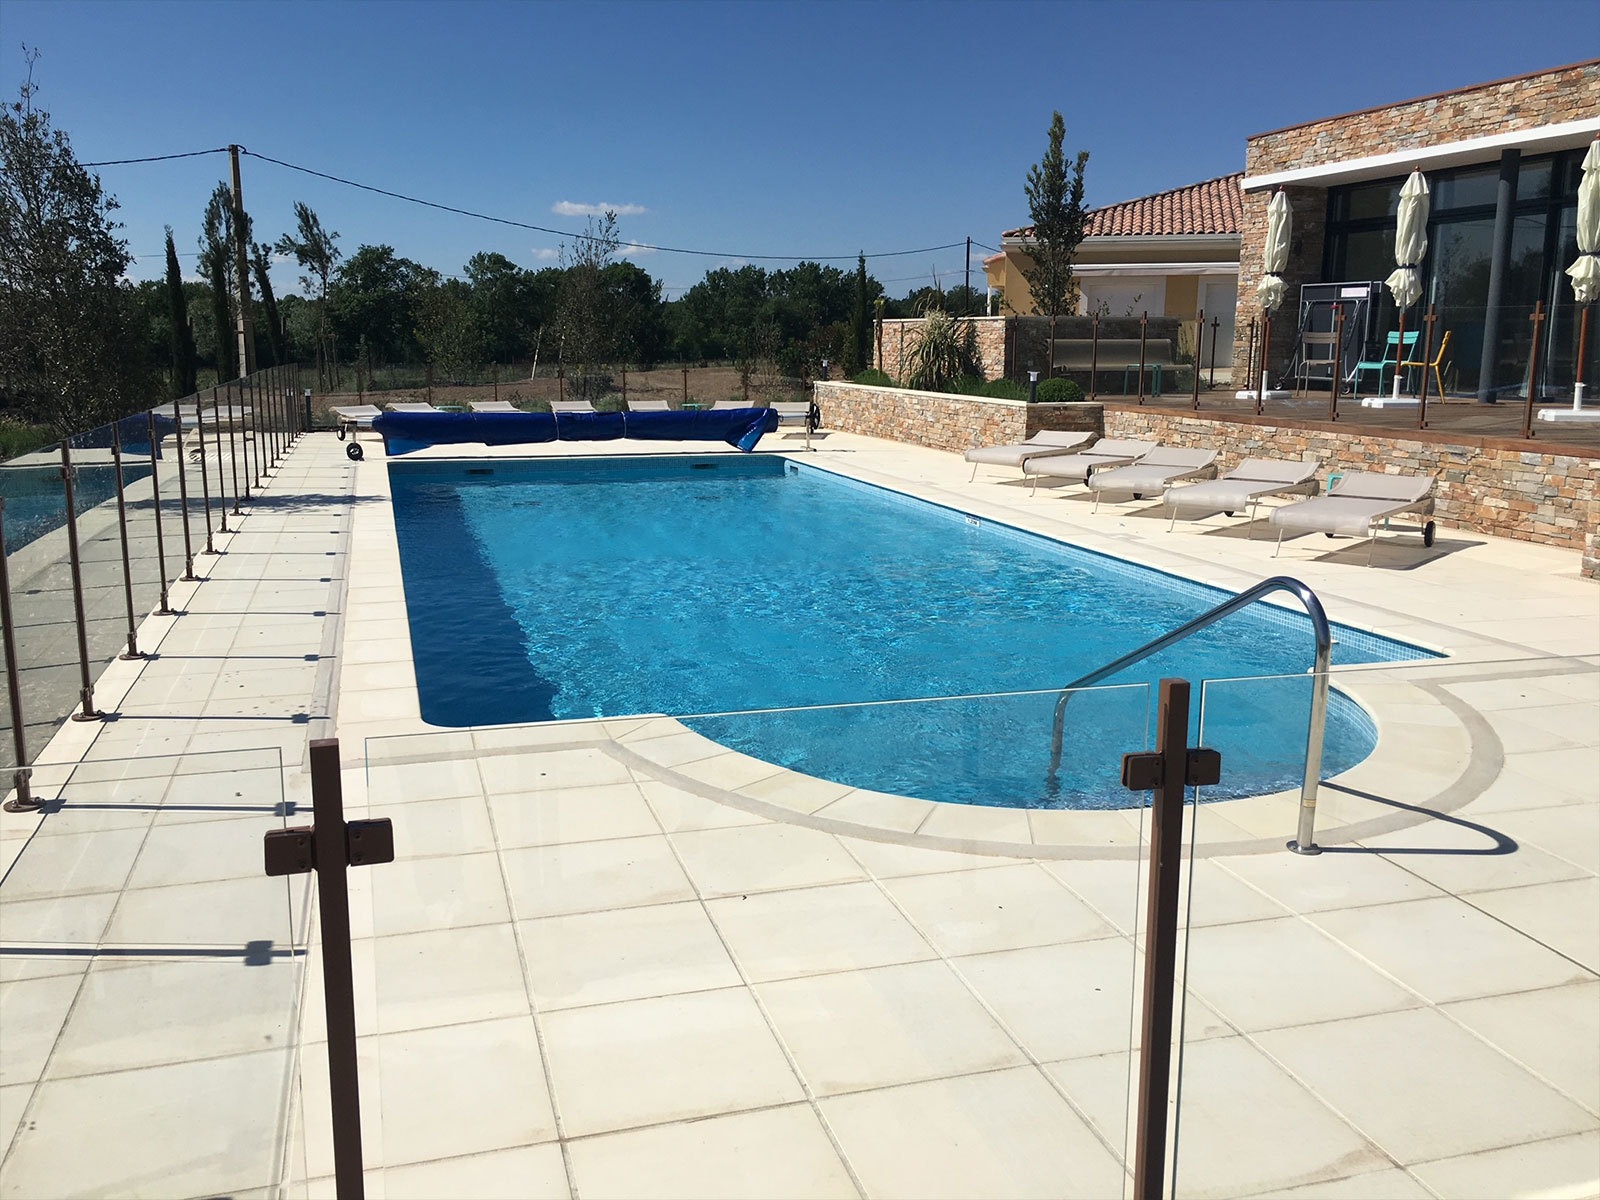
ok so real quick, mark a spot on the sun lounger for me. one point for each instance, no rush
(493, 406)
(1153, 472)
(353, 417)
(1356, 504)
(1075, 468)
(1043, 444)
(1244, 487)
(571, 406)
(649, 406)
(412, 406)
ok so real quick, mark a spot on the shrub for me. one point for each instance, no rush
(873, 377)
(1060, 391)
(965, 385)
(1004, 389)
(941, 349)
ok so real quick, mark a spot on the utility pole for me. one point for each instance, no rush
(241, 261)
(966, 300)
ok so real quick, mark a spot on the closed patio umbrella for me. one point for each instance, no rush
(1274, 259)
(1410, 245)
(1585, 272)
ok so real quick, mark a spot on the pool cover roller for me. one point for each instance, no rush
(738, 427)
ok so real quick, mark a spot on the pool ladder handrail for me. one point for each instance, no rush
(1303, 843)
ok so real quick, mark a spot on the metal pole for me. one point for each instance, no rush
(429, 378)
(1427, 356)
(188, 575)
(1266, 340)
(1338, 362)
(155, 492)
(1144, 323)
(624, 385)
(1583, 341)
(132, 651)
(23, 801)
(250, 431)
(966, 300)
(205, 478)
(1305, 841)
(1250, 357)
(86, 693)
(1161, 933)
(1533, 371)
(1199, 345)
(1505, 220)
(1216, 327)
(233, 454)
(1050, 359)
(1094, 354)
(686, 385)
(333, 900)
(495, 376)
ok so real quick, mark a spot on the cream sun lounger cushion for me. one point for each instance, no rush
(358, 415)
(412, 406)
(1043, 444)
(649, 406)
(1356, 504)
(1245, 486)
(1153, 472)
(1103, 455)
(571, 406)
(493, 406)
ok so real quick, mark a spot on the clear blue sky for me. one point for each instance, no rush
(756, 128)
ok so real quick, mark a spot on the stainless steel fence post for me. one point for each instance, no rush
(161, 542)
(188, 575)
(23, 801)
(205, 478)
(122, 529)
(86, 693)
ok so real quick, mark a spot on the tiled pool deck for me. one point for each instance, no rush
(613, 959)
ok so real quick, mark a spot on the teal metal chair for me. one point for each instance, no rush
(1389, 361)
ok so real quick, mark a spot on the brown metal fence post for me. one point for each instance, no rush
(205, 480)
(1427, 355)
(233, 456)
(188, 575)
(1216, 327)
(1199, 346)
(23, 801)
(429, 377)
(155, 494)
(1250, 358)
(686, 386)
(1144, 323)
(1168, 772)
(624, 385)
(132, 651)
(1533, 370)
(86, 693)
(1338, 362)
(257, 433)
(1094, 354)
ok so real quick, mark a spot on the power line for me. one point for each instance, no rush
(122, 162)
(367, 187)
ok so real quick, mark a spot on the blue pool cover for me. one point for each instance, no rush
(738, 427)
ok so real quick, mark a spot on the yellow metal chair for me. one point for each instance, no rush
(1438, 375)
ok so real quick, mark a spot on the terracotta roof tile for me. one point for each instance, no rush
(1214, 206)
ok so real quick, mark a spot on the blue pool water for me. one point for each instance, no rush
(36, 503)
(603, 587)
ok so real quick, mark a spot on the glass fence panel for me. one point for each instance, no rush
(152, 978)
(1411, 1007)
(35, 518)
(100, 569)
(650, 921)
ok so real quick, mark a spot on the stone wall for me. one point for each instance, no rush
(941, 421)
(1487, 485)
(989, 333)
(1545, 98)
(1009, 347)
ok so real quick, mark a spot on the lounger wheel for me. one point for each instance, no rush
(1227, 512)
(341, 433)
(1138, 495)
(1327, 535)
(354, 452)
(1427, 534)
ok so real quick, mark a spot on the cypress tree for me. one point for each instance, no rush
(183, 375)
(221, 315)
(259, 263)
(858, 340)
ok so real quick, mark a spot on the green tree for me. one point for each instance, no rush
(374, 302)
(316, 253)
(72, 353)
(506, 304)
(1055, 204)
(447, 327)
(181, 336)
(217, 265)
(585, 314)
(260, 264)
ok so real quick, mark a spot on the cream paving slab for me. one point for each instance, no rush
(1563, 916)
(1555, 1033)
(578, 877)
(445, 977)
(766, 857)
(438, 828)
(969, 912)
(579, 814)
(772, 1153)
(1415, 1083)
(525, 1173)
(673, 1058)
(1566, 1166)
(32, 1013)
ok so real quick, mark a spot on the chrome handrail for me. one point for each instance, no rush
(1303, 843)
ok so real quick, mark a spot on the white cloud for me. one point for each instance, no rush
(568, 208)
(545, 254)
(634, 250)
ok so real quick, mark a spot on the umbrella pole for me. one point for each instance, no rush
(1399, 353)
(1266, 339)
(1583, 350)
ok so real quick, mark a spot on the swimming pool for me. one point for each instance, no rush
(562, 588)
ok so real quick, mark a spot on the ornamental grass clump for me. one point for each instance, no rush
(942, 349)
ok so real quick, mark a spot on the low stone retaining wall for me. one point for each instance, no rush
(1485, 484)
(942, 421)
